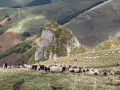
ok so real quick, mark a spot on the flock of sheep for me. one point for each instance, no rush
(61, 68)
(90, 71)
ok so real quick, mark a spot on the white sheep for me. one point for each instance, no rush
(91, 72)
(55, 69)
(106, 54)
(111, 72)
(112, 52)
(118, 51)
(71, 69)
(28, 66)
(77, 70)
(86, 57)
(96, 72)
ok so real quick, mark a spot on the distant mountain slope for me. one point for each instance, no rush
(21, 3)
(98, 24)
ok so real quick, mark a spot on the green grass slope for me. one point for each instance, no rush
(109, 44)
(98, 24)
(31, 80)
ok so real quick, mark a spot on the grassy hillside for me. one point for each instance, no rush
(22, 3)
(109, 44)
(66, 81)
(90, 59)
(98, 24)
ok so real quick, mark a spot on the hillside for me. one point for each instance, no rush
(109, 44)
(26, 79)
(97, 24)
(25, 3)
(18, 24)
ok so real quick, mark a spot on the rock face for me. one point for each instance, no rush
(56, 41)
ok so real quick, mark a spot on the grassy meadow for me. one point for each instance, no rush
(40, 80)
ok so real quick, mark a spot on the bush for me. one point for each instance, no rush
(1, 26)
(9, 19)
(26, 34)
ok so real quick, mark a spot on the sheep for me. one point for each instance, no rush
(75, 59)
(71, 66)
(96, 72)
(34, 67)
(41, 67)
(112, 52)
(5, 65)
(64, 67)
(47, 68)
(118, 51)
(77, 70)
(91, 72)
(90, 57)
(27, 66)
(105, 73)
(86, 57)
(97, 56)
(91, 69)
(112, 73)
(106, 54)
(118, 64)
(94, 57)
(71, 69)
(85, 69)
(55, 69)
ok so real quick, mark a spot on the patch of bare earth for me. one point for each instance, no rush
(11, 59)
(8, 40)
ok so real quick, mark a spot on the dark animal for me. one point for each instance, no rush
(5, 65)
(118, 64)
(47, 68)
(105, 73)
(34, 67)
(41, 67)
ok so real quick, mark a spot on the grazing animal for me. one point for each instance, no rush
(118, 64)
(55, 69)
(5, 65)
(47, 68)
(118, 51)
(91, 72)
(41, 67)
(96, 72)
(34, 67)
(27, 66)
(112, 73)
(105, 73)
(71, 69)
(112, 52)
(106, 54)
(77, 70)
(75, 59)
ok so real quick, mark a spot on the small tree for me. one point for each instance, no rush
(0, 26)
(9, 19)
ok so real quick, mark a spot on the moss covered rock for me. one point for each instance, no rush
(58, 40)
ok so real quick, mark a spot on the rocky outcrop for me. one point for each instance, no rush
(56, 41)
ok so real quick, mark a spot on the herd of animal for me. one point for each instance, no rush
(61, 68)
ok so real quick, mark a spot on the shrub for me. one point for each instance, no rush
(26, 34)
(9, 19)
